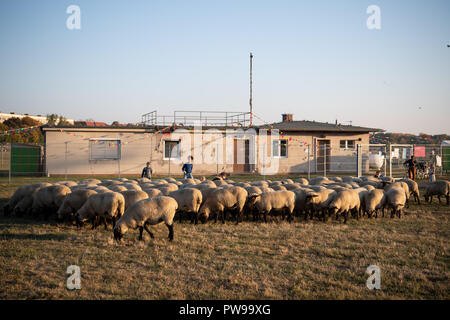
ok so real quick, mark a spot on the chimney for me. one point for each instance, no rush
(287, 117)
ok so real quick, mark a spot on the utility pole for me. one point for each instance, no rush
(251, 89)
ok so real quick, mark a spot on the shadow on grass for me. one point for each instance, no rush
(29, 236)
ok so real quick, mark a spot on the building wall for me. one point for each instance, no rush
(68, 152)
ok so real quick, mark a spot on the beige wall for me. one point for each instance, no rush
(138, 147)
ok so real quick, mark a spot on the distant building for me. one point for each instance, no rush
(39, 118)
(302, 146)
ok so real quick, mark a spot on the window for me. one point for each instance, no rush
(104, 149)
(347, 144)
(171, 149)
(280, 148)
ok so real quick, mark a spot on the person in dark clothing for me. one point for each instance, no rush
(147, 171)
(411, 163)
(187, 168)
(378, 174)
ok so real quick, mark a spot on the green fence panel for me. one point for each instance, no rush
(25, 160)
(446, 158)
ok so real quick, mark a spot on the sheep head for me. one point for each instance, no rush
(253, 198)
(119, 231)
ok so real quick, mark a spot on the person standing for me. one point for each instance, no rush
(411, 163)
(431, 173)
(187, 168)
(147, 171)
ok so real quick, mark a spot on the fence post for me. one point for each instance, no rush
(65, 160)
(217, 159)
(390, 160)
(264, 161)
(10, 162)
(309, 161)
(358, 161)
(325, 160)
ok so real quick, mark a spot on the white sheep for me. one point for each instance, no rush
(102, 206)
(20, 193)
(413, 189)
(147, 212)
(374, 202)
(48, 199)
(344, 202)
(133, 196)
(217, 201)
(396, 200)
(266, 202)
(318, 201)
(73, 202)
(189, 201)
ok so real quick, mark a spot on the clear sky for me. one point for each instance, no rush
(315, 59)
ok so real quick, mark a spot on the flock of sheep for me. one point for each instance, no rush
(138, 204)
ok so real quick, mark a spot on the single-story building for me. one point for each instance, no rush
(285, 147)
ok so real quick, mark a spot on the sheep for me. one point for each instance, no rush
(287, 181)
(300, 201)
(73, 202)
(344, 202)
(362, 193)
(437, 188)
(374, 202)
(19, 194)
(260, 183)
(253, 189)
(100, 189)
(189, 180)
(90, 181)
(144, 180)
(67, 183)
(291, 186)
(217, 201)
(401, 185)
(267, 201)
(318, 202)
(170, 179)
(208, 183)
(118, 188)
(241, 197)
(369, 187)
(319, 180)
(413, 189)
(109, 205)
(275, 183)
(49, 198)
(133, 196)
(168, 188)
(132, 186)
(396, 199)
(153, 193)
(302, 181)
(219, 182)
(189, 200)
(279, 188)
(145, 213)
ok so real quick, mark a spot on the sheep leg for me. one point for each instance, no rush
(265, 216)
(94, 222)
(392, 213)
(141, 229)
(148, 231)
(345, 216)
(170, 227)
(105, 223)
(439, 198)
(113, 222)
(448, 199)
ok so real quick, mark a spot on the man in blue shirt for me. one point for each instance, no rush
(187, 168)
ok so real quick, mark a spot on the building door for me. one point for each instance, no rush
(241, 149)
(323, 155)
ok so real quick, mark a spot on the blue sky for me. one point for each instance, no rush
(315, 59)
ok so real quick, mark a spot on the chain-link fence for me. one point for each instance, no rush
(426, 155)
(111, 158)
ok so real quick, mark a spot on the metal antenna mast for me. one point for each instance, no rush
(251, 89)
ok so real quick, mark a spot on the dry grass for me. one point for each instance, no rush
(302, 260)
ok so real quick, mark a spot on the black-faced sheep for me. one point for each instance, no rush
(102, 206)
(344, 202)
(437, 188)
(318, 201)
(133, 196)
(217, 202)
(266, 202)
(145, 213)
(20, 193)
(396, 200)
(73, 202)
(413, 189)
(189, 201)
(374, 202)
(47, 200)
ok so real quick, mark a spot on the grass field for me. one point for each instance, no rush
(302, 260)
